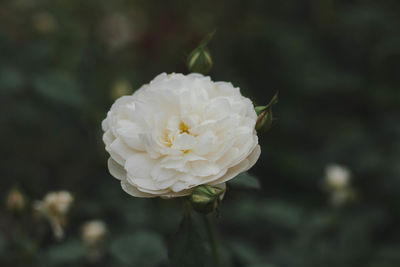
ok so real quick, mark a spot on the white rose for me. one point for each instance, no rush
(178, 132)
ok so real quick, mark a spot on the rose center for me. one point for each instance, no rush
(183, 128)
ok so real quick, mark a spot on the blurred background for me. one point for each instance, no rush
(328, 188)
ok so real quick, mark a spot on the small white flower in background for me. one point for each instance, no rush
(178, 132)
(93, 235)
(93, 232)
(337, 181)
(337, 177)
(55, 206)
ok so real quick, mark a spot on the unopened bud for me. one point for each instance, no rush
(265, 118)
(264, 121)
(206, 198)
(15, 201)
(199, 60)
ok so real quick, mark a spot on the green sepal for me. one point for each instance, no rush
(206, 198)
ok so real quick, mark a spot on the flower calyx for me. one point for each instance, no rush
(205, 198)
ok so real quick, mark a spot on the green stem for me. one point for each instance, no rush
(213, 240)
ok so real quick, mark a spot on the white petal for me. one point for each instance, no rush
(184, 142)
(140, 165)
(116, 170)
(253, 157)
(205, 143)
(108, 138)
(129, 133)
(204, 168)
(241, 167)
(160, 173)
(133, 191)
(121, 149)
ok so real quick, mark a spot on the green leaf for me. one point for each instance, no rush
(140, 249)
(65, 253)
(186, 248)
(245, 180)
(59, 87)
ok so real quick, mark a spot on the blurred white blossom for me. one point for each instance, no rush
(337, 177)
(93, 232)
(337, 181)
(93, 235)
(55, 207)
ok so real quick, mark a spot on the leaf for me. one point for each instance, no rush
(245, 180)
(140, 249)
(68, 252)
(186, 248)
(59, 87)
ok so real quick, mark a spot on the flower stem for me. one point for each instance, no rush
(213, 240)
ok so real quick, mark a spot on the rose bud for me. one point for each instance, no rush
(265, 118)
(264, 121)
(199, 60)
(15, 201)
(205, 198)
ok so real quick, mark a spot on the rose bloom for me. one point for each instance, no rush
(178, 132)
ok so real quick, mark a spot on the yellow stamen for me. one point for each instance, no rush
(183, 128)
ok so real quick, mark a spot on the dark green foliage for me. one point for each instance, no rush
(139, 249)
(186, 247)
(336, 65)
(65, 254)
